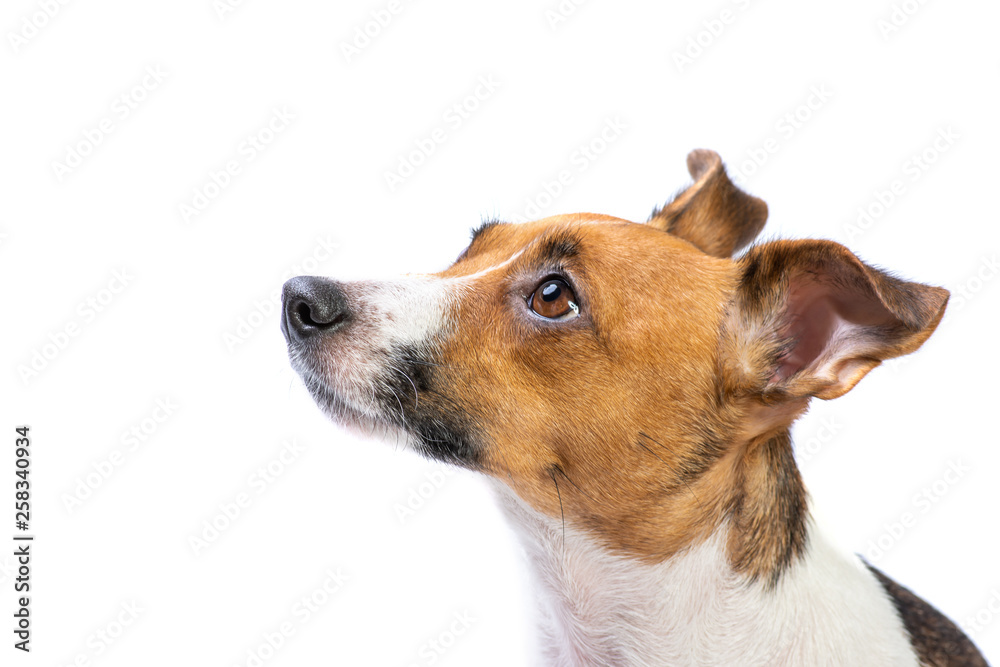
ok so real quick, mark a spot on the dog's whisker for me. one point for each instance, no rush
(562, 472)
(562, 515)
(371, 403)
(416, 394)
(402, 412)
(651, 452)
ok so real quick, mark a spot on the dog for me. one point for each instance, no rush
(628, 389)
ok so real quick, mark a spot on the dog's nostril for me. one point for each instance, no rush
(316, 316)
(305, 315)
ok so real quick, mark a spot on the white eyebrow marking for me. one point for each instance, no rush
(479, 274)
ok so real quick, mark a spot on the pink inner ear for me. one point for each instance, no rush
(812, 322)
(827, 322)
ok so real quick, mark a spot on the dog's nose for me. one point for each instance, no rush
(311, 306)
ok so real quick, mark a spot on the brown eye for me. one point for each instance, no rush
(554, 300)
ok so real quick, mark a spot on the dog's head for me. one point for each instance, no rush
(622, 376)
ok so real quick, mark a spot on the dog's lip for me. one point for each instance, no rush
(341, 410)
(337, 402)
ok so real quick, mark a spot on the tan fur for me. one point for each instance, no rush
(533, 393)
(649, 414)
(713, 214)
(657, 414)
(640, 421)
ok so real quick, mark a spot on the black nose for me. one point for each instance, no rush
(311, 306)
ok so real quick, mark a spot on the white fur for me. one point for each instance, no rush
(406, 311)
(389, 315)
(412, 310)
(490, 269)
(599, 608)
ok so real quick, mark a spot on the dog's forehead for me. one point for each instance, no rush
(496, 245)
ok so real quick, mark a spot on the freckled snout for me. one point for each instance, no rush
(312, 306)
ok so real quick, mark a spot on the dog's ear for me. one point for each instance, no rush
(713, 214)
(810, 319)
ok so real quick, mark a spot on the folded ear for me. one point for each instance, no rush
(811, 319)
(713, 214)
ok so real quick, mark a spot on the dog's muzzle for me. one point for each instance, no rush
(311, 307)
(365, 354)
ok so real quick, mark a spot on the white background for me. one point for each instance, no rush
(886, 96)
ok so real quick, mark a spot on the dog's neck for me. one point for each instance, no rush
(601, 608)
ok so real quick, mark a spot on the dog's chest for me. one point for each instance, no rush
(601, 609)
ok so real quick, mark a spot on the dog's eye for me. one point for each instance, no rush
(554, 300)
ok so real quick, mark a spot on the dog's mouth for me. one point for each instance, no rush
(397, 404)
(337, 404)
(347, 385)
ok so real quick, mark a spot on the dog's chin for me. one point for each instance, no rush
(365, 422)
(366, 404)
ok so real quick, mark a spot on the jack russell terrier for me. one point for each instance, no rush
(629, 389)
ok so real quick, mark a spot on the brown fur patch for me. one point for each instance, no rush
(654, 418)
(659, 413)
(669, 467)
(640, 480)
(769, 513)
